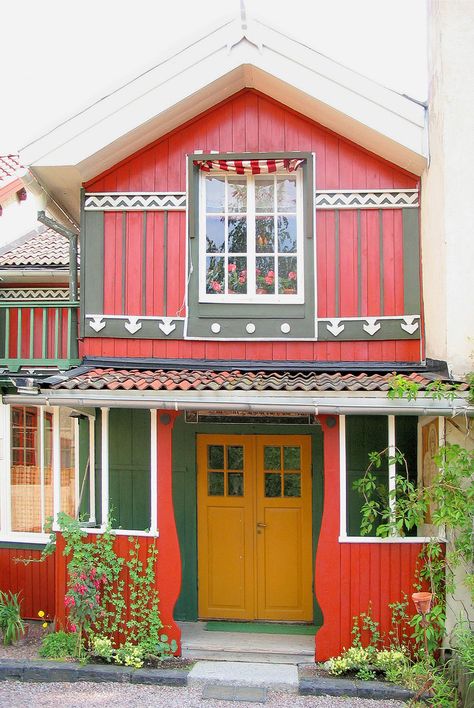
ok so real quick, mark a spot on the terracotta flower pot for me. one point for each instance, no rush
(261, 291)
(422, 601)
(289, 291)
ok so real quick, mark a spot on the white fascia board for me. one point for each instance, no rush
(139, 110)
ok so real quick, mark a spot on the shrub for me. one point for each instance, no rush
(58, 645)
(11, 623)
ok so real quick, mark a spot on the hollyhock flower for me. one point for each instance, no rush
(217, 287)
(73, 627)
(231, 267)
(292, 275)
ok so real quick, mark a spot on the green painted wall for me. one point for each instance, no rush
(185, 503)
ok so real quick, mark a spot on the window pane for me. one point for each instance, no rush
(215, 484)
(25, 471)
(286, 193)
(215, 194)
(264, 234)
(271, 457)
(292, 458)
(235, 457)
(48, 466)
(265, 275)
(287, 276)
(215, 275)
(215, 234)
(235, 481)
(68, 492)
(292, 485)
(264, 194)
(286, 234)
(237, 275)
(237, 194)
(237, 235)
(272, 484)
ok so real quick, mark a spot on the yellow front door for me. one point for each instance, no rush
(254, 527)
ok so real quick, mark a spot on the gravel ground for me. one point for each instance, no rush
(16, 694)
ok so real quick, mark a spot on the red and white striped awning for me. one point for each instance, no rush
(250, 167)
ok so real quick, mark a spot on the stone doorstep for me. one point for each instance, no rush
(283, 677)
(247, 694)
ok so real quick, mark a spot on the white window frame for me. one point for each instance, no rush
(34, 537)
(254, 298)
(343, 537)
(105, 478)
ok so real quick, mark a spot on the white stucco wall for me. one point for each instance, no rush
(448, 206)
(19, 218)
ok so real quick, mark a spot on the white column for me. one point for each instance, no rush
(153, 471)
(342, 478)
(391, 467)
(41, 456)
(91, 469)
(56, 467)
(77, 492)
(105, 464)
(5, 462)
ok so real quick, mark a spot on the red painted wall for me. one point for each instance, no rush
(35, 581)
(252, 122)
(349, 576)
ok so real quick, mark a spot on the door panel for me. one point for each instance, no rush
(254, 527)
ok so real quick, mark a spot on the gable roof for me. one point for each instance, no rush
(231, 56)
(9, 168)
(43, 248)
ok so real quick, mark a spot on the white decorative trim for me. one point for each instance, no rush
(390, 539)
(367, 199)
(135, 201)
(153, 470)
(104, 425)
(34, 294)
(342, 477)
(133, 323)
(371, 325)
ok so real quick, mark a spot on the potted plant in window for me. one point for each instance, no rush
(265, 281)
(288, 283)
(237, 280)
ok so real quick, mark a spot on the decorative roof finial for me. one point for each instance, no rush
(243, 15)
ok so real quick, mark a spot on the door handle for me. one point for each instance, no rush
(261, 525)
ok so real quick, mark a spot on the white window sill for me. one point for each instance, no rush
(390, 539)
(24, 537)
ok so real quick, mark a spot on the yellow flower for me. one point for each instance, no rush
(44, 625)
(41, 613)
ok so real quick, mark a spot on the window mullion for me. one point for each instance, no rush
(251, 259)
(41, 456)
(6, 493)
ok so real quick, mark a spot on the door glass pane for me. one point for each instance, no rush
(215, 457)
(272, 484)
(292, 458)
(215, 194)
(271, 457)
(235, 457)
(215, 484)
(292, 485)
(237, 194)
(235, 481)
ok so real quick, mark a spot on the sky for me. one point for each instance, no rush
(62, 55)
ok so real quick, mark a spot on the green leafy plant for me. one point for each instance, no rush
(130, 655)
(11, 623)
(101, 647)
(58, 645)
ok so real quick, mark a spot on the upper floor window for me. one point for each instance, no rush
(251, 231)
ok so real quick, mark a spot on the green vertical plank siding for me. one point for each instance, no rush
(411, 261)
(92, 270)
(129, 468)
(364, 434)
(185, 497)
(84, 468)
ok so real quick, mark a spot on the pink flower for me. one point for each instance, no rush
(269, 279)
(73, 627)
(271, 274)
(292, 275)
(69, 601)
(243, 273)
(82, 576)
(93, 573)
(242, 279)
(257, 271)
(97, 584)
(217, 287)
(231, 267)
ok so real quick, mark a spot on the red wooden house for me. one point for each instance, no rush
(250, 280)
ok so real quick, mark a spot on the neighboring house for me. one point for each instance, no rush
(250, 280)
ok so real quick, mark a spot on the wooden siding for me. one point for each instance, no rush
(349, 576)
(359, 252)
(35, 581)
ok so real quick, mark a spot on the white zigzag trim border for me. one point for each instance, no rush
(367, 199)
(34, 294)
(135, 201)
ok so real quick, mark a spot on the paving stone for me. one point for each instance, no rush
(231, 673)
(245, 694)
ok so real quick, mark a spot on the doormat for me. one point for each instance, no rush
(261, 628)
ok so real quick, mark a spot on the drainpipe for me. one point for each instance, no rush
(73, 287)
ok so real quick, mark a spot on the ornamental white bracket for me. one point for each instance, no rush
(367, 199)
(409, 324)
(133, 325)
(135, 201)
(97, 322)
(167, 325)
(335, 326)
(372, 326)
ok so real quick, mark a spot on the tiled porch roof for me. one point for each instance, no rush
(45, 249)
(185, 380)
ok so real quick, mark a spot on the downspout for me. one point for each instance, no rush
(73, 286)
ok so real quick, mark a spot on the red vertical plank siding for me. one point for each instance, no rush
(34, 580)
(133, 256)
